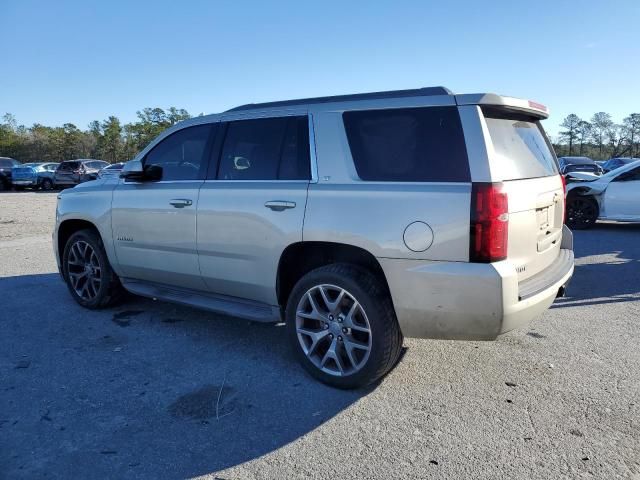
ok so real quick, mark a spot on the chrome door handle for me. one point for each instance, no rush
(279, 205)
(181, 202)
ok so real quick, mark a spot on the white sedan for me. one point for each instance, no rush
(613, 196)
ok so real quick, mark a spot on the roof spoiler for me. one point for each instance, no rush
(527, 106)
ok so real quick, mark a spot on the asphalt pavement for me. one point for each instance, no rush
(154, 390)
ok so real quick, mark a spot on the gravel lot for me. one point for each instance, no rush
(153, 390)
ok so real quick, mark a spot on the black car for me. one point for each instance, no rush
(6, 164)
(579, 164)
(73, 172)
(617, 162)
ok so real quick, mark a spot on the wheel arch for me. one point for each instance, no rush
(302, 257)
(68, 228)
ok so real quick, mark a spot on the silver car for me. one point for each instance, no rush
(356, 219)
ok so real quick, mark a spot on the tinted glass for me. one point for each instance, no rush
(408, 145)
(521, 148)
(69, 165)
(6, 163)
(266, 149)
(180, 154)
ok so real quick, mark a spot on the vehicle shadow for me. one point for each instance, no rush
(607, 266)
(146, 389)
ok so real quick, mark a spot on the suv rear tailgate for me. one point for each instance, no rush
(523, 160)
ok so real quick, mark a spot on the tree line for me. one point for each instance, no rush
(600, 137)
(108, 140)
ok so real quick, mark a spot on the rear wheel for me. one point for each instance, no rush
(582, 212)
(87, 272)
(46, 184)
(342, 326)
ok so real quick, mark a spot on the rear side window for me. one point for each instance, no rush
(521, 147)
(408, 145)
(266, 149)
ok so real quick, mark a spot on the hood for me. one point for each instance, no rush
(582, 176)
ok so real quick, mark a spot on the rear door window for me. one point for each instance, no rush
(266, 149)
(408, 145)
(520, 145)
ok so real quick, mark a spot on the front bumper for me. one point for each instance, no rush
(470, 301)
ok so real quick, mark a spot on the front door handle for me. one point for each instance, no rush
(279, 205)
(181, 202)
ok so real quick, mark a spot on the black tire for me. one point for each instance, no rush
(46, 184)
(4, 185)
(369, 292)
(582, 212)
(18, 188)
(110, 291)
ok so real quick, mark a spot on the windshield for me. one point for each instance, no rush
(618, 171)
(520, 145)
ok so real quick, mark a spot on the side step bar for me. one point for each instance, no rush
(232, 306)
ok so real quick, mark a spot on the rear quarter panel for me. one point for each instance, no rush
(374, 215)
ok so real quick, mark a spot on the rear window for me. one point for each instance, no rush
(69, 166)
(408, 145)
(521, 148)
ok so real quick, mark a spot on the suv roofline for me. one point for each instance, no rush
(250, 110)
(415, 92)
(527, 106)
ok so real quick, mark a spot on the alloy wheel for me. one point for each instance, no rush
(581, 212)
(83, 270)
(333, 330)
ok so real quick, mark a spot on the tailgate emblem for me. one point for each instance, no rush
(521, 269)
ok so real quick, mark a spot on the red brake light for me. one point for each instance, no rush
(489, 223)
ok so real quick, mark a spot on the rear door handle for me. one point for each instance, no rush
(279, 205)
(181, 202)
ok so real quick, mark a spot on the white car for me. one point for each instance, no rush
(613, 196)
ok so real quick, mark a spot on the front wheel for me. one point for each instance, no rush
(342, 326)
(87, 272)
(582, 212)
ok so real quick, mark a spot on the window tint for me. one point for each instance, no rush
(180, 154)
(69, 165)
(521, 148)
(6, 163)
(266, 149)
(408, 145)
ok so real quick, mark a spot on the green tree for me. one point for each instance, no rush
(570, 133)
(600, 124)
(631, 125)
(584, 132)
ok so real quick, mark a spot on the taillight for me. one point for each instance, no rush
(489, 223)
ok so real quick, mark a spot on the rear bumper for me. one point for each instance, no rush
(469, 301)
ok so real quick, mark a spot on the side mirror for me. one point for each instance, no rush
(134, 171)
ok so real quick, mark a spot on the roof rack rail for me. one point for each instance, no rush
(415, 92)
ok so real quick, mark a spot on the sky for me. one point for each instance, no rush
(78, 61)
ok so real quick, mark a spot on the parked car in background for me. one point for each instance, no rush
(613, 196)
(356, 219)
(6, 167)
(617, 162)
(73, 172)
(112, 170)
(579, 164)
(34, 175)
